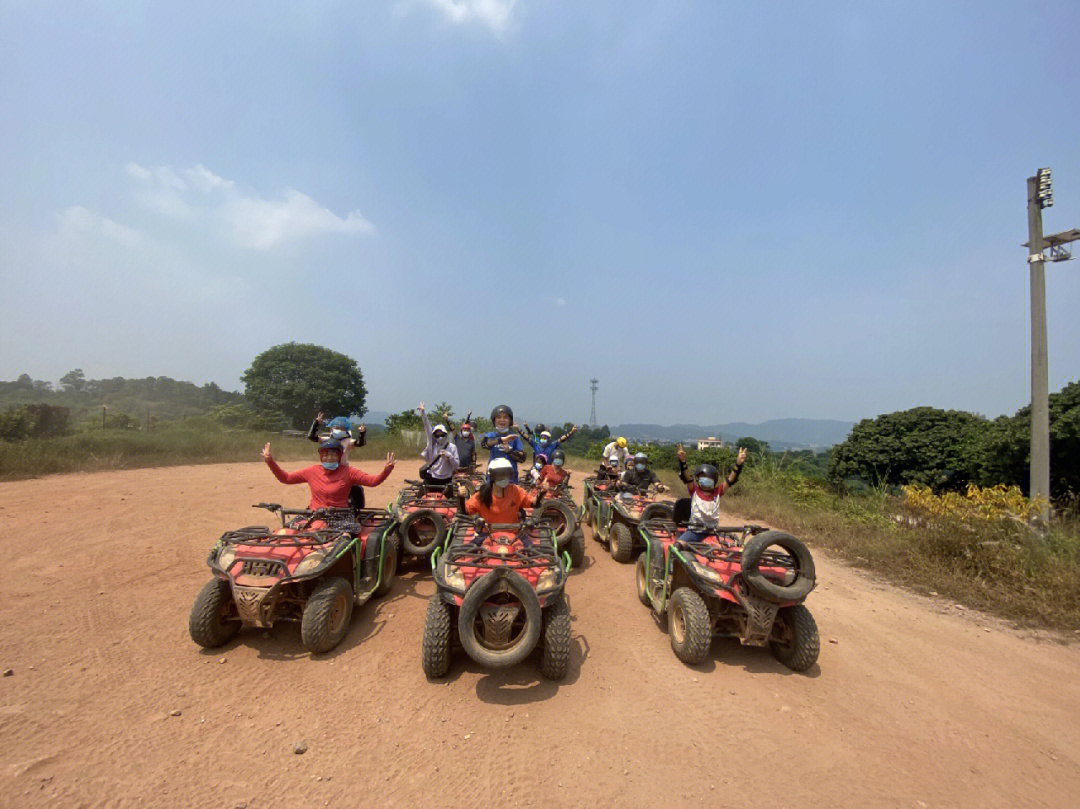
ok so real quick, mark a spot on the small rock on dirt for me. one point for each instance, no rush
(300, 747)
(8, 672)
(833, 640)
(223, 660)
(174, 712)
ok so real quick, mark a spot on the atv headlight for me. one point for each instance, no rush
(310, 563)
(226, 557)
(454, 577)
(706, 573)
(546, 580)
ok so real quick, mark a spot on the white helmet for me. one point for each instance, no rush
(500, 469)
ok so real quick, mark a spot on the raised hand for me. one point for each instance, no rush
(266, 452)
(681, 453)
(420, 409)
(320, 417)
(390, 460)
(741, 457)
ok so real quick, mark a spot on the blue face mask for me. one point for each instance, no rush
(338, 434)
(706, 483)
(557, 462)
(330, 465)
(539, 464)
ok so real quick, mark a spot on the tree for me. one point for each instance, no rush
(300, 379)
(405, 420)
(754, 447)
(936, 448)
(73, 381)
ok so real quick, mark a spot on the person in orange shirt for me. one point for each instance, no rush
(499, 500)
(554, 475)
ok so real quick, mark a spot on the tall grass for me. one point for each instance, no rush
(998, 565)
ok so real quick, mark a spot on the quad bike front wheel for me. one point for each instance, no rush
(555, 657)
(435, 649)
(326, 615)
(641, 578)
(389, 565)
(577, 550)
(794, 641)
(621, 543)
(213, 620)
(689, 626)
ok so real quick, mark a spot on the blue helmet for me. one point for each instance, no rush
(339, 422)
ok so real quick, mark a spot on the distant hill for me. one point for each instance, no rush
(779, 433)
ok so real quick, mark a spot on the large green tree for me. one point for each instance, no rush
(937, 448)
(300, 379)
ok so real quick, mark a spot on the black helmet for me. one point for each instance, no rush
(502, 409)
(707, 470)
(558, 455)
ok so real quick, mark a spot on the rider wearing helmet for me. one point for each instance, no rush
(464, 441)
(499, 500)
(340, 429)
(614, 455)
(555, 474)
(640, 477)
(533, 475)
(502, 442)
(330, 480)
(440, 455)
(706, 489)
(542, 442)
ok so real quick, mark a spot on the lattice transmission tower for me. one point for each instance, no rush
(593, 385)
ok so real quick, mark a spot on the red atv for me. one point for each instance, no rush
(499, 594)
(615, 515)
(423, 514)
(312, 570)
(743, 582)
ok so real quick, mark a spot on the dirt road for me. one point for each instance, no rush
(913, 703)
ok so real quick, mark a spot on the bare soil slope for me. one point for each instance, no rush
(913, 703)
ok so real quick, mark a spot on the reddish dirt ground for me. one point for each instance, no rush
(914, 703)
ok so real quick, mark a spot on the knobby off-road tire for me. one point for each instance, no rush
(555, 657)
(590, 514)
(751, 557)
(688, 626)
(577, 550)
(467, 614)
(415, 547)
(207, 625)
(802, 652)
(389, 565)
(435, 649)
(621, 542)
(641, 579)
(326, 615)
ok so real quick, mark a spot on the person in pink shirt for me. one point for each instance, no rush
(329, 480)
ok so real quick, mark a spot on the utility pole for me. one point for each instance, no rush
(1040, 195)
(593, 385)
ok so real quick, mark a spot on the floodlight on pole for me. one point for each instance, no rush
(1044, 192)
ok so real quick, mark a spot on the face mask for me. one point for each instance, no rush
(466, 434)
(330, 465)
(706, 483)
(338, 433)
(557, 462)
(441, 440)
(501, 483)
(539, 464)
(502, 430)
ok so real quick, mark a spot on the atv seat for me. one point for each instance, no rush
(680, 512)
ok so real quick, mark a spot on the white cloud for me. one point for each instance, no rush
(495, 14)
(248, 220)
(78, 220)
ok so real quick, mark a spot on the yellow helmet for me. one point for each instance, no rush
(620, 441)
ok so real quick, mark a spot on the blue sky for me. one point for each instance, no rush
(724, 213)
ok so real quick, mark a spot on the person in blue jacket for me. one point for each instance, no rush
(503, 442)
(542, 443)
